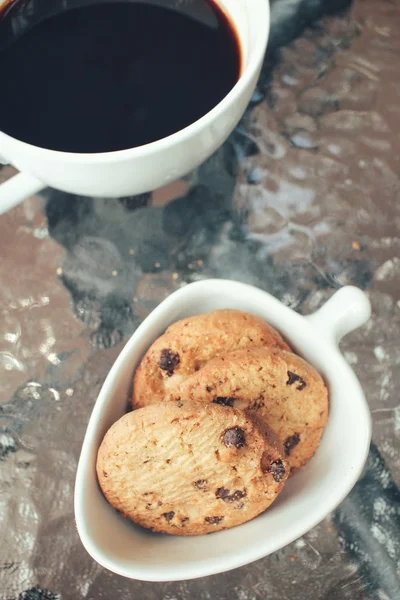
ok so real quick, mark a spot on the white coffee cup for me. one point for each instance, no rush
(145, 168)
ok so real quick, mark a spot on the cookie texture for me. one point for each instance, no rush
(280, 387)
(187, 468)
(189, 344)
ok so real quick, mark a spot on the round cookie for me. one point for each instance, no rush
(187, 345)
(280, 387)
(189, 469)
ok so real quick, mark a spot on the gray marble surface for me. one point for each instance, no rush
(304, 198)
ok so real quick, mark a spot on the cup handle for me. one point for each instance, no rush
(344, 312)
(18, 188)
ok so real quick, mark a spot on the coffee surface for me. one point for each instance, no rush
(109, 76)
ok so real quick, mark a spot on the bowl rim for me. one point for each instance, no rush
(253, 552)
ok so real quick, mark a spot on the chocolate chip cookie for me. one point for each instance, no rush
(187, 345)
(188, 468)
(280, 387)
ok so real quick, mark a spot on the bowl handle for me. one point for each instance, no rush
(346, 310)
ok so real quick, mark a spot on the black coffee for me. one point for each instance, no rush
(95, 76)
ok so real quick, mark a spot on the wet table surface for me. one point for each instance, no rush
(303, 199)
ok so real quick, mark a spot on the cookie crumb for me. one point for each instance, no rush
(201, 484)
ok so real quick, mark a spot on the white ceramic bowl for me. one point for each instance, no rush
(308, 497)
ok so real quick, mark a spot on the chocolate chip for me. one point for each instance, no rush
(238, 495)
(169, 515)
(201, 484)
(293, 378)
(226, 496)
(234, 437)
(277, 470)
(105, 474)
(208, 388)
(291, 442)
(224, 401)
(213, 520)
(222, 493)
(184, 520)
(169, 360)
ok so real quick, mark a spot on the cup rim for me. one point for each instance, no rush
(179, 136)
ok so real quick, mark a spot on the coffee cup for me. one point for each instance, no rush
(148, 167)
